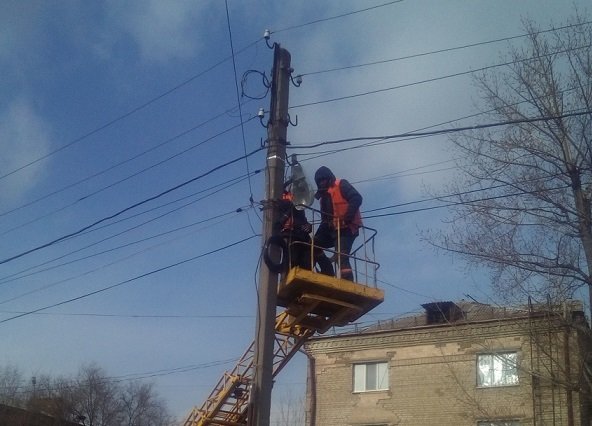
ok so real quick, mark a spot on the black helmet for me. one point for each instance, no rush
(324, 173)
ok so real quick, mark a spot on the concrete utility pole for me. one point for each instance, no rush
(260, 404)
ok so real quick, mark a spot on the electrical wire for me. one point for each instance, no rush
(126, 114)
(129, 376)
(238, 101)
(132, 316)
(104, 266)
(244, 80)
(317, 21)
(130, 280)
(443, 131)
(120, 212)
(23, 273)
(445, 50)
(219, 187)
(113, 184)
(430, 80)
(55, 211)
(516, 194)
(457, 194)
(434, 132)
(121, 163)
(379, 142)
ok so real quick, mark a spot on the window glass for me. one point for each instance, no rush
(359, 377)
(497, 369)
(370, 376)
(382, 375)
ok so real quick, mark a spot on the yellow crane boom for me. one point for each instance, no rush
(313, 303)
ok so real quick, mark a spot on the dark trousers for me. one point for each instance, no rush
(326, 237)
(298, 249)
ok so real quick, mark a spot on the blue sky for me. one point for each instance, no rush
(106, 105)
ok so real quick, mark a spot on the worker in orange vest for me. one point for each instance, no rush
(340, 220)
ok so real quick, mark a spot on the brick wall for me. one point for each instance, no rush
(433, 377)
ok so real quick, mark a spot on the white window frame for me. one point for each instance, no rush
(497, 369)
(370, 376)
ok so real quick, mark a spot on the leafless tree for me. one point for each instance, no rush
(141, 406)
(91, 397)
(522, 201)
(11, 386)
(94, 397)
(289, 410)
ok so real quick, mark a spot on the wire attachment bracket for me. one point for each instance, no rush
(261, 115)
(292, 123)
(267, 36)
(298, 80)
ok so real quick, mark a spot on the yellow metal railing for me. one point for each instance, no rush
(362, 256)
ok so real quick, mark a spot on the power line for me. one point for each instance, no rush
(430, 80)
(516, 194)
(449, 49)
(379, 141)
(458, 194)
(113, 184)
(131, 316)
(126, 114)
(177, 136)
(374, 138)
(240, 110)
(135, 157)
(121, 283)
(293, 27)
(220, 187)
(408, 172)
(442, 131)
(22, 274)
(129, 376)
(83, 274)
(178, 86)
(120, 212)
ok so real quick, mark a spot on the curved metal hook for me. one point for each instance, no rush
(298, 80)
(292, 160)
(290, 121)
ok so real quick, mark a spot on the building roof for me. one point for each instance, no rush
(441, 313)
(446, 313)
(15, 416)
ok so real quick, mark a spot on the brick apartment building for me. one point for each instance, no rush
(455, 364)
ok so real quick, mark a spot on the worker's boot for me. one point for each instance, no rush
(347, 274)
(325, 265)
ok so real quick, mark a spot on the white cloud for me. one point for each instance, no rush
(24, 137)
(18, 35)
(162, 30)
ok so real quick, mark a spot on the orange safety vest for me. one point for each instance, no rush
(288, 225)
(340, 206)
